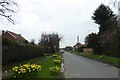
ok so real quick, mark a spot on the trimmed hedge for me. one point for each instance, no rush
(13, 52)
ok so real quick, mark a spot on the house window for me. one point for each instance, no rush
(17, 41)
(21, 41)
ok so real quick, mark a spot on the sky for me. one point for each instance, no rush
(69, 18)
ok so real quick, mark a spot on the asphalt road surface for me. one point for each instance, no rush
(80, 67)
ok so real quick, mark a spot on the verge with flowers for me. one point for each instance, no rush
(25, 69)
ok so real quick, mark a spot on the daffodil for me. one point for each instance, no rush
(26, 68)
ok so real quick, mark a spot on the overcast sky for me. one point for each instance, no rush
(69, 18)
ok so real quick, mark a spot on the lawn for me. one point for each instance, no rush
(44, 73)
(102, 58)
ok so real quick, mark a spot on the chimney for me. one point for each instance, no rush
(3, 31)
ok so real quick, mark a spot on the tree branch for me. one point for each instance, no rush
(8, 18)
(7, 8)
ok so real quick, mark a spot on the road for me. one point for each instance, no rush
(80, 67)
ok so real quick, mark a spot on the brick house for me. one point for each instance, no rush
(77, 46)
(13, 37)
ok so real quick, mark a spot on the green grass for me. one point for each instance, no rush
(44, 73)
(8, 67)
(106, 59)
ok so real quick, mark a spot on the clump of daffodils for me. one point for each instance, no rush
(59, 57)
(47, 55)
(101, 57)
(57, 61)
(26, 68)
(55, 69)
(54, 55)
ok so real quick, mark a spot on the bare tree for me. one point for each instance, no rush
(116, 4)
(50, 42)
(7, 8)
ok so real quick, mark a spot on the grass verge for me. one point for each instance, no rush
(44, 73)
(8, 67)
(102, 58)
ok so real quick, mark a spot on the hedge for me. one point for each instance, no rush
(14, 52)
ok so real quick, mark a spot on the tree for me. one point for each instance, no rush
(101, 15)
(7, 8)
(92, 41)
(119, 13)
(68, 48)
(50, 42)
(108, 30)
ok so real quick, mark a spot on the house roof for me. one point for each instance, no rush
(79, 45)
(16, 36)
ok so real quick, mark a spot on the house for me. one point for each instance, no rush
(77, 47)
(11, 36)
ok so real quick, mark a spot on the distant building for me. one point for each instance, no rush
(11, 36)
(88, 50)
(78, 45)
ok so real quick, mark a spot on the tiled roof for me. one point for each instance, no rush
(16, 36)
(79, 45)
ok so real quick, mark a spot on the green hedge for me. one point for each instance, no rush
(13, 52)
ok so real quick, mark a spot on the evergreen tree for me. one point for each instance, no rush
(108, 30)
(101, 16)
